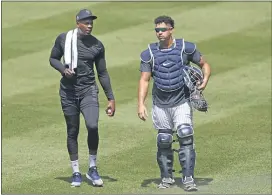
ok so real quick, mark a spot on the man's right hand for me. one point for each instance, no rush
(68, 73)
(142, 112)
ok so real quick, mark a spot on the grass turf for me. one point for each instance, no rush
(233, 139)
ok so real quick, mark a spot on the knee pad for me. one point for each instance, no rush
(185, 134)
(164, 140)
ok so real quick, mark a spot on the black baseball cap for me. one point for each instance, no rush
(85, 14)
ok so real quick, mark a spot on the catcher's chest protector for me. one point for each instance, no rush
(167, 66)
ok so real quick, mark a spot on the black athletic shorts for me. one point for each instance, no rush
(73, 104)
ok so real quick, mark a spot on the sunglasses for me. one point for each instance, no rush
(162, 29)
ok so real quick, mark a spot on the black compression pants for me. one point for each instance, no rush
(72, 106)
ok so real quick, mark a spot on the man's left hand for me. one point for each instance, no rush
(111, 108)
(203, 85)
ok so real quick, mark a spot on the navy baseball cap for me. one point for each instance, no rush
(85, 14)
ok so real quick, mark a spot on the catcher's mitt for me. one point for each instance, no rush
(193, 77)
(198, 101)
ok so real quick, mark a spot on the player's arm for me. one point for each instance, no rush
(145, 68)
(103, 75)
(104, 79)
(56, 55)
(196, 57)
(206, 69)
(143, 87)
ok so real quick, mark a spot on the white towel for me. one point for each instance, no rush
(70, 50)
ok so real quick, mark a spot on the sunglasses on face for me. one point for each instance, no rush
(162, 29)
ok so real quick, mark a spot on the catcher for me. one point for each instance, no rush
(177, 87)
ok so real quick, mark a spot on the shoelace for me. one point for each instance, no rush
(188, 180)
(94, 173)
(76, 177)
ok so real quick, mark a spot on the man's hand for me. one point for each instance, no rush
(203, 85)
(142, 112)
(68, 73)
(111, 108)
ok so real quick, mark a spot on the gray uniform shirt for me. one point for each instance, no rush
(170, 99)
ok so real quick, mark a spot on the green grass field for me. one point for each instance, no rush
(233, 140)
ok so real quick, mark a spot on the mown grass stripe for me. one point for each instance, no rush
(52, 26)
(39, 61)
(17, 13)
(233, 139)
(137, 176)
(126, 120)
(41, 102)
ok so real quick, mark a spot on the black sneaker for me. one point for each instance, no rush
(76, 179)
(94, 177)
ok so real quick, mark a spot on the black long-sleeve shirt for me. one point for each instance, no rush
(90, 51)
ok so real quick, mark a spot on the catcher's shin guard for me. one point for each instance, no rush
(187, 155)
(165, 156)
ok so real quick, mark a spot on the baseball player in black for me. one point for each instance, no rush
(79, 91)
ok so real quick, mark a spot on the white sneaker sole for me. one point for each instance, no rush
(98, 182)
(191, 189)
(75, 184)
(166, 183)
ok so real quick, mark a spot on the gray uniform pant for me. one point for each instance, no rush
(171, 118)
